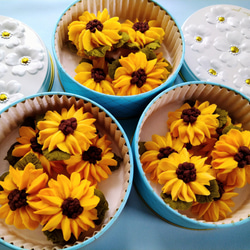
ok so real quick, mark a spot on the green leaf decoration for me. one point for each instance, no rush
(56, 236)
(149, 53)
(98, 52)
(119, 160)
(179, 205)
(229, 127)
(214, 193)
(2, 177)
(123, 40)
(101, 207)
(132, 46)
(55, 155)
(9, 157)
(153, 45)
(142, 147)
(222, 116)
(71, 47)
(29, 158)
(112, 68)
(87, 60)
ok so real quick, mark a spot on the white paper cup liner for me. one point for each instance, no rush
(153, 121)
(172, 49)
(116, 188)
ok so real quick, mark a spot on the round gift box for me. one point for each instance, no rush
(26, 66)
(153, 121)
(172, 48)
(217, 46)
(116, 188)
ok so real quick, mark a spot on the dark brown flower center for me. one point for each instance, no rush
(35, 146)
(68, 126)
(165, 152)
(71, 208)
(94, 25)
(221, 189)
(243, 156)
(141, 26)
(190, 115)
(139, 77)
(92, 155)
(98, 74)
(186, 172)
(17, 199)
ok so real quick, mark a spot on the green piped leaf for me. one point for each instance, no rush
(118, 160)
(222, 116)
(98, 52)
(2, 177)
(101, 207)
(56, 155)
(29, 158)
(229, 127)
(179, 205)
(112, 68)
(214, 193)
(149, 53)
(9, 157)
(142, 147)
(56, 236)
(123, 40)
(153, 45)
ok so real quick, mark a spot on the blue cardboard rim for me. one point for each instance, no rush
(164, 85)
(131, 173)
(194, 224)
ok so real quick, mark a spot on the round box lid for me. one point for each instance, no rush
(25, 64)
(217, 40)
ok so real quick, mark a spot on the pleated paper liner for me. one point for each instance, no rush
(172, 48)
(116, 188)
(153, 121)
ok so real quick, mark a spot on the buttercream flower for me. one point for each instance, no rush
(9, 92)
(95, 76)
(143, 32)
(11, 33)
(164, 65)
(3, 67)
(193, 124)
(217, 209)
(137, 75)
(93, 31)
(222, 17)
(70, 131)
(67, 204)
(211, 70)
(245, 27)
(242, 81)
(93, 164)
(184, 177)
(159, 148)
(20, 188)
(234, 48)
(198, 37)
(28, 144)
(231, 157)
(25, 59)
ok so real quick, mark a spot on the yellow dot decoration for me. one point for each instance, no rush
(247, 81)
(3, 97)
(221, 19)
(25, 60)
(6, 34)
(234, 49)
(198, 39)
(212, 72)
